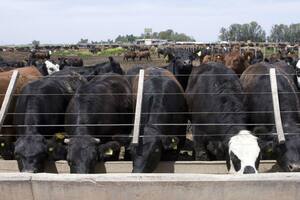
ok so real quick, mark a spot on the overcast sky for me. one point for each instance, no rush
(66, 21)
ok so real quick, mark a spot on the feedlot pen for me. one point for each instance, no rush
(173, 180)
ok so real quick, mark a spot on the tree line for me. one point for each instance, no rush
(169, 35)
(254, 32)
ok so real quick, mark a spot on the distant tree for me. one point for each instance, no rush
(164, 35)
(126, 39)
(294, 33)
(285, 33)
(223, 34)
(279, 33)
(35, 43)
(243, 32)
(83, 41)
(155, 35)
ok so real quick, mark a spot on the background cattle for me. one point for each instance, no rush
(143, 55)
(36, 55)
(70, 61)
(130, 55)
(90, 72)
(236, 62)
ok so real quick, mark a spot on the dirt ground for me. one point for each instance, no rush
(91, 60)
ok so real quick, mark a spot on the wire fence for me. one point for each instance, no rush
(150, 93)
(160, 75)
(155, 113)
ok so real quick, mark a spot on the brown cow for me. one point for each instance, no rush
(236, 62)
(129, 55)
(214, 58)
(40, 55)
(207, 59)
(144, 54)
(26, 74)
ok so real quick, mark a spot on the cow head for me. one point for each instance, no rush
(182, 60)
(181, 66)
(288, 154)
(146, 155)
(82, 154)
(51, 68)
(116, 67)
(6, 148)
(243, 153)
(236, 62)
(56, 147)
(31, 153)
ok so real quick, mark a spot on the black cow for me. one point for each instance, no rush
(256, 83)
(90, 72)
(181, 66)
(15, 64)
(70, 61)
(43, 103)
(109, 94)
(159, 141)
(218, 119)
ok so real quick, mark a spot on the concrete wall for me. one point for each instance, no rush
(278, 186)
(218, 167)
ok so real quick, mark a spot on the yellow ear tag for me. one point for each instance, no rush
(174, 144)
(2, 144)
(60, 136)
(109, 152)
(270, 150)
(50, 149)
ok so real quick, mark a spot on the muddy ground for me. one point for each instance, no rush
(91, 60)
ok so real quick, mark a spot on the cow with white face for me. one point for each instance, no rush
(298, 73)
(260, 112)
(51, 68)
(244, 153)
(219, 119)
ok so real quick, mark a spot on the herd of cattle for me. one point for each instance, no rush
(84, 114)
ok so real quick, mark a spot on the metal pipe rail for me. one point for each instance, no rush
(187, 167)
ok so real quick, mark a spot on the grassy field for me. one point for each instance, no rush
(85, 53)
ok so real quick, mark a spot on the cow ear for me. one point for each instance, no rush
(111, 59)
(266, 147)
(170, 143)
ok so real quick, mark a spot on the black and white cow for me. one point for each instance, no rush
(256, 83)
(162, 94)
(40, 106)
(109, 97)
(218, 119)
